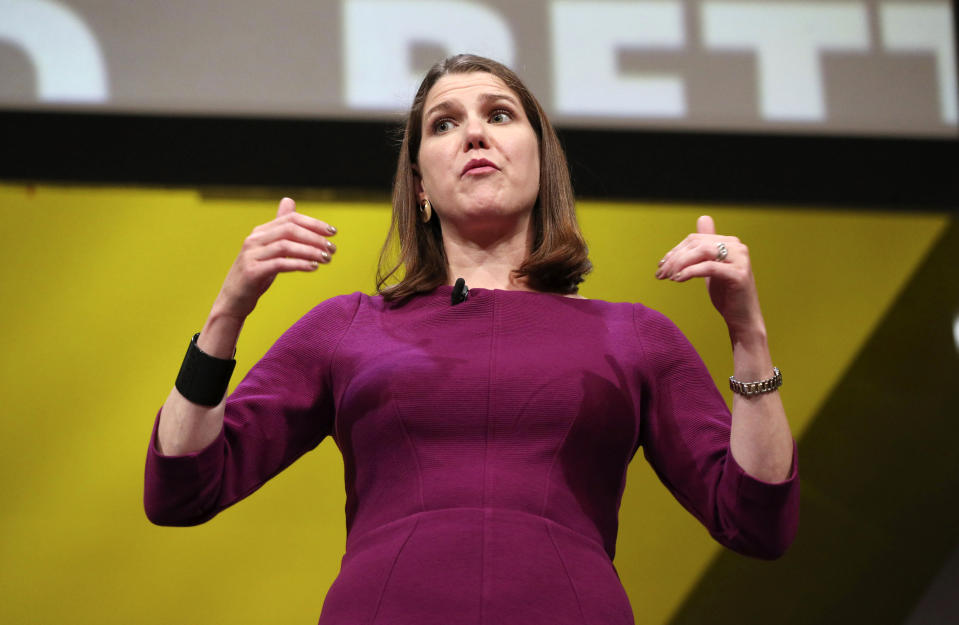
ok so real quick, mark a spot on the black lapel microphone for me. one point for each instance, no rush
(460, 292)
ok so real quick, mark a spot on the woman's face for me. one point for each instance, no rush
(479, 157)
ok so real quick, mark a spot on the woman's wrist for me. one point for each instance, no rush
(751, 358)
(220, 333)
(749, 335)
(751, 339)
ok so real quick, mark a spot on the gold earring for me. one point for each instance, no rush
(426, 211)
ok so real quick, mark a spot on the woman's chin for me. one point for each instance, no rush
(493, 205)
(490, 213)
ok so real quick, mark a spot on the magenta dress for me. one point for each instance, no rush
(485, 448)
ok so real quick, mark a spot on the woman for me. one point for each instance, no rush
(485, 434)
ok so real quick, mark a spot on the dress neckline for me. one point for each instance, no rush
(446, 289)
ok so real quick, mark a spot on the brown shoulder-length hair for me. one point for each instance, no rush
(558, 259)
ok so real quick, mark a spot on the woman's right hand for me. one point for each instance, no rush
(291, 242)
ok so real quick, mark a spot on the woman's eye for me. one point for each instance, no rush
(442, 125)
(499, 117)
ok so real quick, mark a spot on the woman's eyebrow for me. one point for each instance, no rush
(486, 99)
(445, 105)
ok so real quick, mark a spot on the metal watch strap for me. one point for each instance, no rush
(203, 379)
(749, 389)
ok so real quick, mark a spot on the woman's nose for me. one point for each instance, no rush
(476, 138)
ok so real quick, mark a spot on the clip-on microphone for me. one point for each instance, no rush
(460, 292)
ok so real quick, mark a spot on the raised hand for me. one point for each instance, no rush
(291, 242)
(724, 262)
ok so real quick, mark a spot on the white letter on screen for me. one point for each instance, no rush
(587, 37)
(788, 38)
(65, 54)
(925, 27)
(379, 36)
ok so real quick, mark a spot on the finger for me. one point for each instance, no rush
(705, 225)
(290, 231)
(287, 206)
(284, 248)
(684, 257)
(320, 227)
(668, 258)
(279, 265)
(706, 269)
(694, 249)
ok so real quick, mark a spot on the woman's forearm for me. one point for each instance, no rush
(761, 441)
(186, 427)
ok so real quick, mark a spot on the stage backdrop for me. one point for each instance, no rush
(877, 67)
(103, 288)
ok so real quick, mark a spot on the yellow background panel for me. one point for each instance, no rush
(102, 288)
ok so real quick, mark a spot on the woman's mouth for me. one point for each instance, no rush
(479, 166)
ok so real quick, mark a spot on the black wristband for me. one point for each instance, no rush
(203, 379)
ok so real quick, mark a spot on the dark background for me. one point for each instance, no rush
(359, 157)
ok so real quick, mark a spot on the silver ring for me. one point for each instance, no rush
(722, 253)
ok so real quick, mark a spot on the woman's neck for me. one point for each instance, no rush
(487, 260)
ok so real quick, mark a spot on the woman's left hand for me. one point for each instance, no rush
(729, 276)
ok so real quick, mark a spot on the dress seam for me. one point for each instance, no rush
(638, 441)
(552, 464)
(329, 372)
(579, 604)
(416, 515)
(489, 404)
(386, 581)
(409, 440)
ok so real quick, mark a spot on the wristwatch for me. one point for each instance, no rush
(749, 389)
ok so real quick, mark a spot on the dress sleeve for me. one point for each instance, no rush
(684, 431)
(283, 408)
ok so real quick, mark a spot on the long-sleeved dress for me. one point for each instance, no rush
(485, 448)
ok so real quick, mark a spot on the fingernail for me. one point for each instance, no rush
(331, 246)
(659, 274)
(325, 255)
(331, 229)
(313, 265)
(660, 263)
(677, 275)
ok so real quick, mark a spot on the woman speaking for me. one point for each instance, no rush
(485, 411)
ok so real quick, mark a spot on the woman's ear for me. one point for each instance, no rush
(418, 185)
